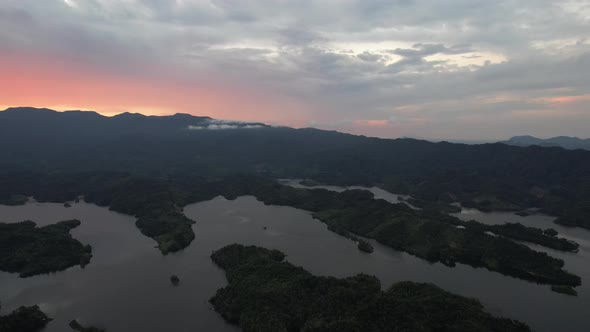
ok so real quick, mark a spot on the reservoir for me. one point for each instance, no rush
(126, 286)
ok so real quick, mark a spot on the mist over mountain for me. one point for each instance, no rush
(88, 123)
(565, 142)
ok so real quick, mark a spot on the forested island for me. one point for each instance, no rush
(547, 238)
(155, 203)
(175, 280)
(266, 293)
(24, 319)
(428, 235)
(76, 326)
(365, 246)
(425, 233)
(567, 290)
(30, 250)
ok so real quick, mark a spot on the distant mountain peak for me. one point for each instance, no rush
(22, 109)
(88, 123)
(186, 115)
(129, 115)
(35, 110)
(523, 136)
(566, 142)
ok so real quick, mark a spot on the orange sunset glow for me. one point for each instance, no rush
(70, 84)
(251, 62)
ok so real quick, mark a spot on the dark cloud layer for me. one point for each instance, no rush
(441, 69)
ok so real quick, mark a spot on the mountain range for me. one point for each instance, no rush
(486, 176)
(565, 142)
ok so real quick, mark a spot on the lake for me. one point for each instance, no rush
(126, 286)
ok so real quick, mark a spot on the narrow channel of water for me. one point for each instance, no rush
(535, 304)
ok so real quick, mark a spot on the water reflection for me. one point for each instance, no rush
(126, 287)
(378, 193)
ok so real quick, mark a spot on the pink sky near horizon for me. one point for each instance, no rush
(362, 67)
(70, 84)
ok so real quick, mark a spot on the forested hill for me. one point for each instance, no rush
(488, 176)
(565, 142)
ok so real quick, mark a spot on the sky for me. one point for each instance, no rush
(454, 69)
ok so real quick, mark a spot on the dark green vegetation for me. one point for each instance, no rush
(565, 142)
(547, 238)
(425, 233)
(13, 200)
(432, 206)
(265, 293)
(77, 327)
(550, 232)
(564, 290)
(310, 183)
(24, 319)
(174, 280)
(31, 250)
(156, 205)
(365, 246)
(151, 167)
(487, 177)
(576, 218)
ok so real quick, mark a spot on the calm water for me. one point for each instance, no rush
(378, 193)
(126, 286)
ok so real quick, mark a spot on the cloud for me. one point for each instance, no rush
(220, 124)
(371, 57)
(427, 64)
(423, 50)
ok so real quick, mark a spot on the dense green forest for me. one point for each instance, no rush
(24, 319)
(266, 293)
(547, 237)
(30, 250)
(428, 234)
(567, 290)
(78, 327)
(487, 176)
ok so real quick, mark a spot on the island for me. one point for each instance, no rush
(309, 183)
(547, 238)
(30, 250)
(78, 327)
(564, 290)
(13, 200)
(550, 232)
(428, 233)
(266, 293)
(433, 206)
(174, 280)
(24, 319)
(155, 203)
(365, 246)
